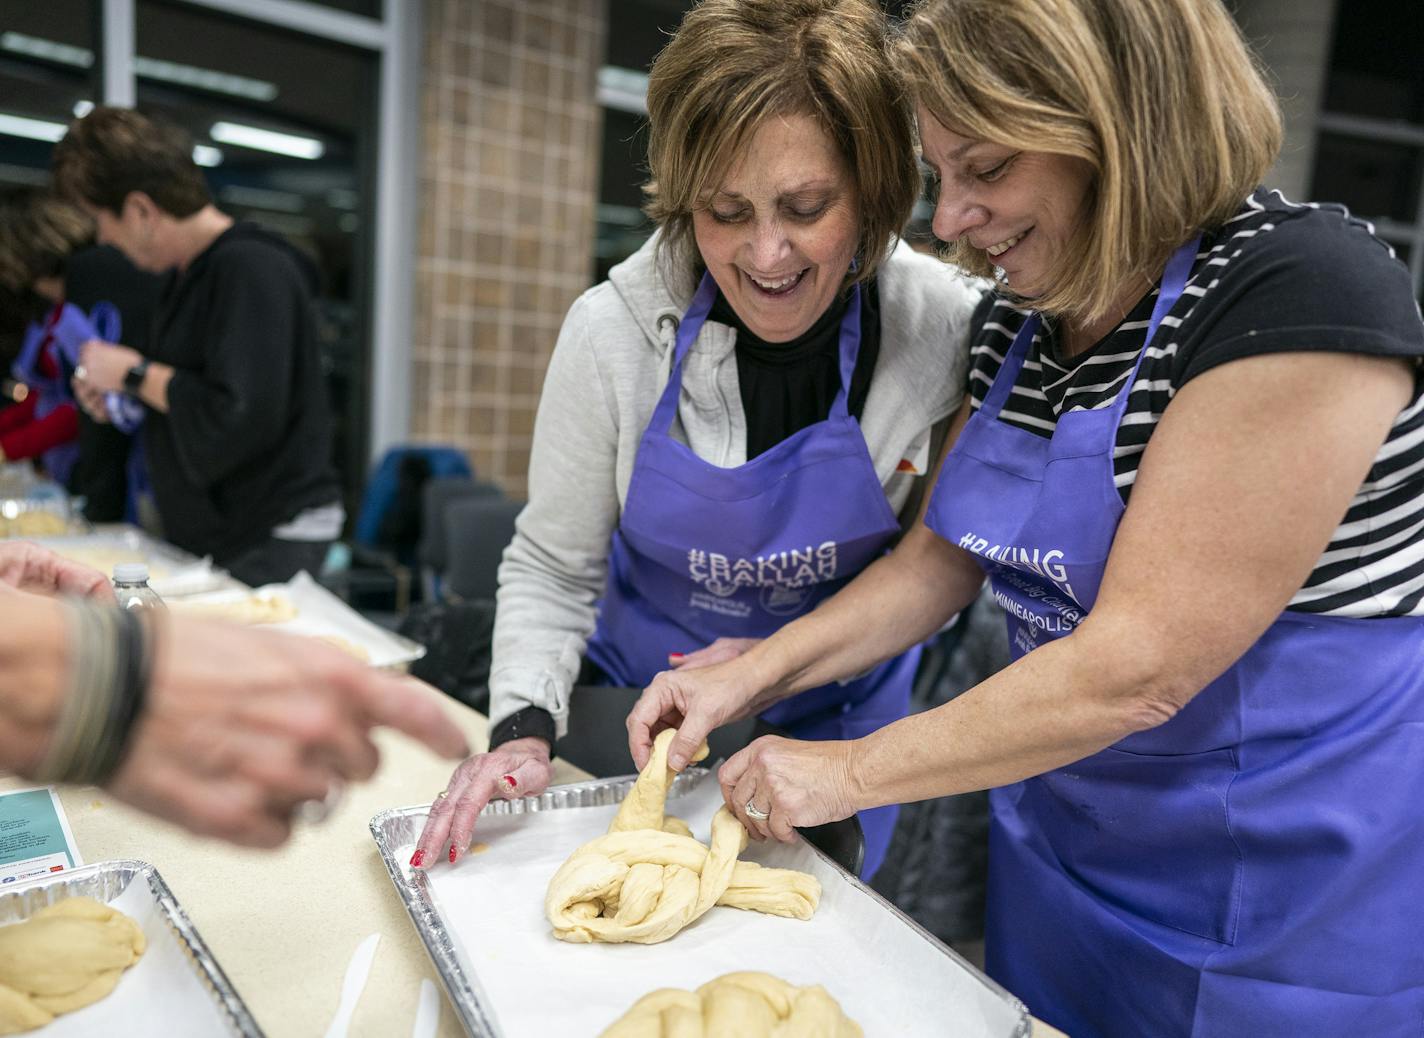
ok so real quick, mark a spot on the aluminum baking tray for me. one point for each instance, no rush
(395, 831)
(203, 1000)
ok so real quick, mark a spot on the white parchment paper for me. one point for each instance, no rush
(162, 993)
(319, 612)
(888, 977)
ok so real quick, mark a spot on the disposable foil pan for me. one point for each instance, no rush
(400, 828)
(105, 881)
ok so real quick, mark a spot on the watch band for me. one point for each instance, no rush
(133, 378)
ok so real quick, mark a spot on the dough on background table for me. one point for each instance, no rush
(105, 559)
(737, 1005)
(348, 647)
(648, 878)
(37, 523)
(64, 957)
(250, 609)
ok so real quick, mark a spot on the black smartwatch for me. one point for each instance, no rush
(133, 378)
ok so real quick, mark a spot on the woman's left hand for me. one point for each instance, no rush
(795, 782)
(105, 364)
(720, 651)
(28, 567)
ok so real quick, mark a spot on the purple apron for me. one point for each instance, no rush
(1255, 865)
(703, 552)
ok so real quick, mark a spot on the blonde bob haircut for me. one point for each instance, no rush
(735, 63)
(1163, 98)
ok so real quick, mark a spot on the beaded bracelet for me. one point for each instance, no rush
(108, 676)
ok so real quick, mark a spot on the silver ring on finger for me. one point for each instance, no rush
(442, 794)
(314, 812)
(755, 812)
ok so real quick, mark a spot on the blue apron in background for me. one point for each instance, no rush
(66, 331)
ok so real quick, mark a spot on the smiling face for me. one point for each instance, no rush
(1020, 208)
(780, 230)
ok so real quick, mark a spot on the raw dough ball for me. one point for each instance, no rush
(105, 559)
(350, 648)
(737, 1005)
(648, 878)
(38, 523)
(63, 958)
(249, 610)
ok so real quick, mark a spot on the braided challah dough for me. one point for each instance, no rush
(648, 878)
(62, 958)
(737, 1005)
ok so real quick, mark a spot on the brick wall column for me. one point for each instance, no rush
(509, 179)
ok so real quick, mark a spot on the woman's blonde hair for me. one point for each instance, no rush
(734, 63)
(1163, 98)
(38, 233)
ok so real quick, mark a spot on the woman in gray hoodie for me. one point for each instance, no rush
(736, 422)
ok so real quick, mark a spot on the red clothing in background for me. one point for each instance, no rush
(24, 436)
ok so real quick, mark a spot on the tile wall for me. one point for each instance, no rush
(511, 133)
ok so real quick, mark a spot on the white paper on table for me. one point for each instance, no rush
(886, 976)
(162, 993)
(319, 612)
(172, 572)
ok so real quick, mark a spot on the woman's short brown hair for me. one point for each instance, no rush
(114, 151)
(734, 63)
(1162, 97)
(38, 233)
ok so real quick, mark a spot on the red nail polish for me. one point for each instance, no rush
(510, 781)
(417, 859)
(452, 854)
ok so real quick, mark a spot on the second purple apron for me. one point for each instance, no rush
(1250, 867)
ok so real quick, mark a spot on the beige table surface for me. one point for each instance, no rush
(285, 923)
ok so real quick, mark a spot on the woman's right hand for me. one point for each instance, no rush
(695, 702)
(520, 767)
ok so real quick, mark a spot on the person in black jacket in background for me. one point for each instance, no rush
(238, 431)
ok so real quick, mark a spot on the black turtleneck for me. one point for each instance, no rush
(787, 386)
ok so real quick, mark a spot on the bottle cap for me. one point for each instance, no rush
(130, 572)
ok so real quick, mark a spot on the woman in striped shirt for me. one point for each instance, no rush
(1208, 755)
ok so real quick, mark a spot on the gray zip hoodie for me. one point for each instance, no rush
(609, 367)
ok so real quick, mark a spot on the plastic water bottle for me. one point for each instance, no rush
(132, 590)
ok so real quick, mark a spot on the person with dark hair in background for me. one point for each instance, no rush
(237, 431)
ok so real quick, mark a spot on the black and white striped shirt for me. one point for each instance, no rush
(1278, 277)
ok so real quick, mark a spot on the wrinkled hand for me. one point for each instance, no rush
(694, 701)
(518, 768)
(798, 783)
(720, 651)
(28, 567)
(242, 725)
(105, 364)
